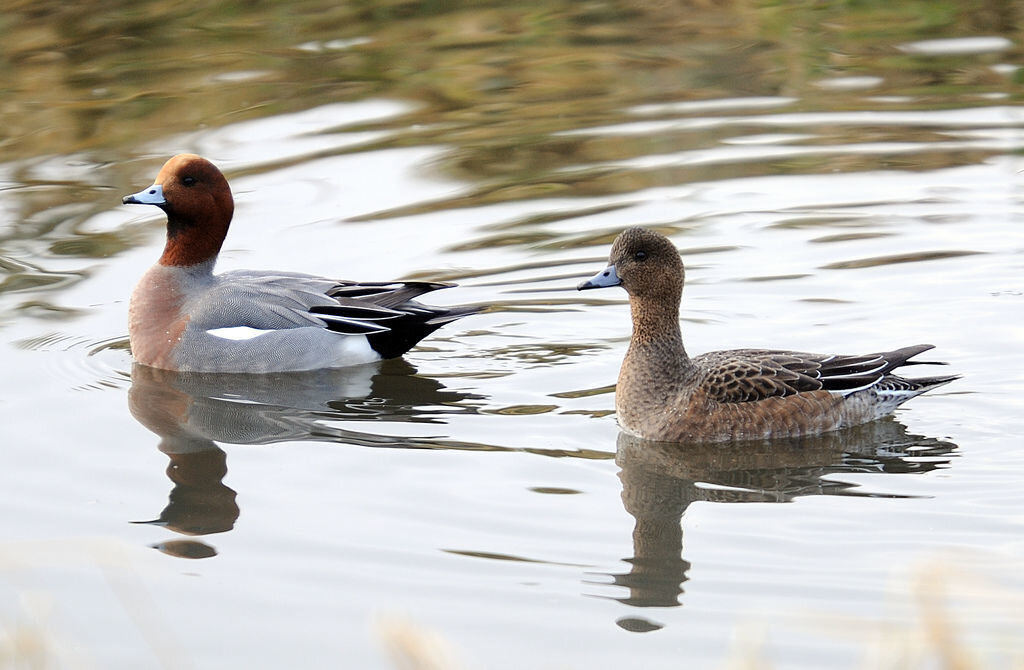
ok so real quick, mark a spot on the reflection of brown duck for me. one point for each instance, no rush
(191, 412)
(200, 503)
(660, 480)
(196, 408)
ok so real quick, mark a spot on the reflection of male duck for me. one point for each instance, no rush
(190, 412)
(660, 480)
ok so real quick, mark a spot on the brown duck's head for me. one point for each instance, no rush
(645, 263)
(197, 200)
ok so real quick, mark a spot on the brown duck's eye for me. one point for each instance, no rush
(640, 255)
(189, 181)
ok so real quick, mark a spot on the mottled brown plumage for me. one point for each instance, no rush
(663, 394)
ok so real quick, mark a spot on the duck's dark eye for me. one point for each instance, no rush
(640, 255)
(189, 181)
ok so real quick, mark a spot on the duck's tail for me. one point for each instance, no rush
(418, 321)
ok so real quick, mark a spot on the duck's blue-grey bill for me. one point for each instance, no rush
(606, 277)
(153, 195)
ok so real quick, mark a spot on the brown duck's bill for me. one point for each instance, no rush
(152, 195)
(604, 278)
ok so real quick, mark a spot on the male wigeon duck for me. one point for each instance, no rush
(664, 395)
(184, 317)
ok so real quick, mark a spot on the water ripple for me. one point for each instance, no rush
(894, 259)
(84, 364)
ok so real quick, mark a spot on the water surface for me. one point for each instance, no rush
(840, 178)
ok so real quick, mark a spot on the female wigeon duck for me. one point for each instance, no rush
(184, 317)
(664, 395)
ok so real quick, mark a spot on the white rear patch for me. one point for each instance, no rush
(237, 332)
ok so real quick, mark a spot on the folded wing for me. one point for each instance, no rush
(749, 375)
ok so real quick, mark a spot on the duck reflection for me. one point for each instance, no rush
(660, 480)
(191, 412)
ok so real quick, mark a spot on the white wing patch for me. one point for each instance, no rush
(237, 332)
